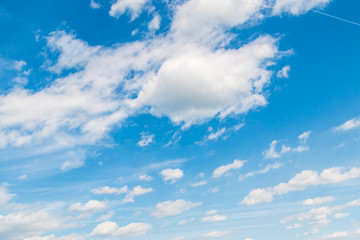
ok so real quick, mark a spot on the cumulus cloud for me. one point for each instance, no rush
(90, 206)
(297, 7)
(134, 7)
(320, 217)
(348, 125)
(272, 153)
(109, 190)
(94, 4)
(136, 191)
(300, 182)
(112, 229)
(170, 208)
(215, 234)
(172, 174)
(145, 178)
(317, 201)
(26, 224)
(225, 168)
(197, 83)
(213, 217)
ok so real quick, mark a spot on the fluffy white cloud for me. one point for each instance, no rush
(94, 4)
(26, 224)
(297, 7)
(198, 184)
(348, 125)
(90, 206)
(135, 7)
(214, 218)
(284, 72)
(145, 178)
(197, 83)
(109, 190)
(172, 174)
(146, 139)
(341, 215)
(225, 168)
(196, 20)
(271, 153)
(317, 201)
(136, 191)
(300, 182)
(215, 234)
(112, 229)
(170, 208)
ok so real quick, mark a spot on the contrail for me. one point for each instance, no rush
(341, 19)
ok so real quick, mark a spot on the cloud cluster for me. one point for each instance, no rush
(170, 208)
(108, 228)
(300, 182)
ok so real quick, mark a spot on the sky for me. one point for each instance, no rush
(179, 119)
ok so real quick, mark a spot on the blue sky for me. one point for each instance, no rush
(176, 120)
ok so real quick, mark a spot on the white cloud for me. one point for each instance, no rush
(215, 234)
(154, 24)
(172, 174)
(295, 226)
(198, 184)
(214, 189)
(112, 229)
(145, 178)
(105, 217)
(196, 20)
(214, 218)
(216, 135)
(337, 235)
(136, 191)
(22, 177)
(300, 182)
(146, 139)
(320, 217)
(94, 4)
(90, 206)
(77, 159)
(341, 215)
(225, 168)
(284, 72)
(268, 167)
(317, 201)
(348, 125)
(297, 7)
(271, 153)
(53, 237)
(26, 224)
(197, 84)
(109, 190)
(170, 208)
(5, 196)
(135, 7)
